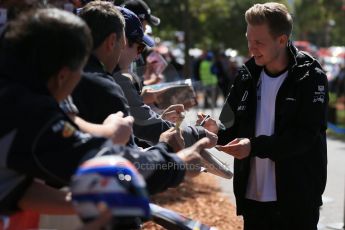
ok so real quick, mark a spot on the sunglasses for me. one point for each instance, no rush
(141, 47)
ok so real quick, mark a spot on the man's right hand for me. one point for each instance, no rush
(119, 127)
(210, 123)
(173, 138)
(191, 157)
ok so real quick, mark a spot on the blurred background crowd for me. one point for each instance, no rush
(195, 43)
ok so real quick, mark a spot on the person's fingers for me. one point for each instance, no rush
(199, 120)
(166, 131)
(181, 143)
(236, 155)
(201, 114)
(221, 148)
(170, 131)
(234, 147)
(119, 114)
(210, 121)
(227, 148)
(171, 113)
(129, 119)
(201, 117)
(201, 144)
(171, 107)
(160, 91)
(179, 108)
(230, 153)
(235, 150)
(172, 119)
(174, 116)
(234, 141)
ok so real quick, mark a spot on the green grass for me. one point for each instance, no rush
(341, 118)
(332, 98)
(332, 134)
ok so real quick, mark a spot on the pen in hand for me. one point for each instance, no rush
(220, 125)
(179, 121)
(204, 120)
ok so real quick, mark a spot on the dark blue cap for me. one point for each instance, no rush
(134, 28)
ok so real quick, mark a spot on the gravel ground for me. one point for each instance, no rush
(201, 199)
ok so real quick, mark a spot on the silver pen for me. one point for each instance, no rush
(204, 120)
(221, 126)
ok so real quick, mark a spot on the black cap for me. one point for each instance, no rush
(134, 29)
(142, 10)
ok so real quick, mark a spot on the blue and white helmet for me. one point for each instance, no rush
(112, 181)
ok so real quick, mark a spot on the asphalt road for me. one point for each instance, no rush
(333, 209)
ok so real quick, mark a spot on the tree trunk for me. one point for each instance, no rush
(186, 22)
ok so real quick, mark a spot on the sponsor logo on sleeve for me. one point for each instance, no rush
(319, 98)
(68, 130)
(65, 128)
(319, 95)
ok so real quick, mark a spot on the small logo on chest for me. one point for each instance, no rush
(241, 108)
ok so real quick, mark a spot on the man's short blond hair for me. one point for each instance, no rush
(275, 15)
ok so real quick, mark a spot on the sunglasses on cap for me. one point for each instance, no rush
(141, 47)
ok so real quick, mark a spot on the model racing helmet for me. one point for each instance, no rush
(112, 181)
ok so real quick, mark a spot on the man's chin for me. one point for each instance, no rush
(258, 62)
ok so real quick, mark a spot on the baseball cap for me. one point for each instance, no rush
(142, 10)
(134, 28)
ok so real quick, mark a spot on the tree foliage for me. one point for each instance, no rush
(320, 21)
(220, 23)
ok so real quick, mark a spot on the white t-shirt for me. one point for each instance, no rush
(262, 182)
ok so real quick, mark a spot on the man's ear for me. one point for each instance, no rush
(55, 82)
(62, 76)
(283, 40)
(111, 41)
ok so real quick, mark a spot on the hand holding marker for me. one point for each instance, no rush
(220, 125)
(179, 121)
(204, 120)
